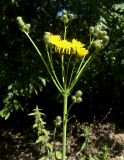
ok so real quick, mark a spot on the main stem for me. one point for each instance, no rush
(65, 102)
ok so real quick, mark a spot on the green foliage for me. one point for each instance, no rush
(89, 149)
(18, 67)
(105, 76)
(103, 154)
(11, 102)
(39, 125)
(86, 133)
(18, 63)
(47, 149)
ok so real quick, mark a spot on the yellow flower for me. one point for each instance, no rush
(54, 39)
(77, 44)
(63, 46)
(82, 52)
(78, 47)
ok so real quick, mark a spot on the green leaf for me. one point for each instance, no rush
(40, 139)
(36, 92)
(43, 158)
(43, 80)
(83, 146)
(83, 158)
(58, 155)
(6, 99)
(31, 114)
(50, 146)
(35, 125)
(7, 115)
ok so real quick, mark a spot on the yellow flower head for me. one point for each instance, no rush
(64, 46)
(54, 39)
(82, 52)
(78, 47)
(77, 44)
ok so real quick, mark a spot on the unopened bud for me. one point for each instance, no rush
(64, 12)
(104, 33)
(22, 25)
(65, 17)
(46, 39)
(58, 118)
(58, 121)
(98, 44)
(71, 17)
(79, 100)
(91, 29)
(79, 93)
(74, 99)
(96, 31)
(20, 21)
(100, 34)
(27, 27)
(106, 39)
(47, 33)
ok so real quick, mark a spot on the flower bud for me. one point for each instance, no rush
(20, 21)
(22, 25)
(79, 93)
(79, 100)
(100, 34)
(46, 37)
(96, 31)
(91, 29)
(27, 27)
(106, 39)
(74, 99)
(64, 12)
(98, 44)
(58, 121)
(47, 33)
(71, 17)
(54, 122)
(58, 118)
(65, 17)
(104, 33)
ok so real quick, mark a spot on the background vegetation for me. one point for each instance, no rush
(23, 79)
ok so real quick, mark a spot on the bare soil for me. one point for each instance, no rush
(82, 140)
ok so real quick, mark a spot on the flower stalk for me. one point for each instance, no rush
(65, 104)
(53, 76)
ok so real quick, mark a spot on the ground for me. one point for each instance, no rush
(83, 139)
